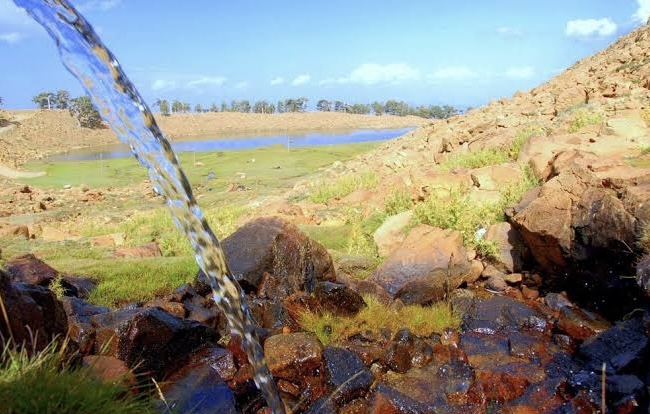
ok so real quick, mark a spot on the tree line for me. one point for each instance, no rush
(81, 107)
(390, 107)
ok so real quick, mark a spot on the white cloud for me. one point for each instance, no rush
(590, 27)
(98, 5)
(12, 15)
(520, 72)
(301, 80)
(241, 85)
(11, 38)
(206, 81)
(162, 84)
(643, 12)
(373, 73)
(453, 73)
(509, 31)
(277, 81)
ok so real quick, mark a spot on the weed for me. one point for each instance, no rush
(583, 118)
(343, 186)
(475, 159)
(47, 383)
(644, 239)
(397, 202)
(521, 138)
(360, 240)
(421, 320)
(486, 249)
(56, 287)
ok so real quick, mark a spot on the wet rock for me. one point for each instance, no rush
(501, 313)
(624, 347)
(111, 370)
(200, 390)
(81, 286)
(528, 293)
(275, 246)
(510, 247)
(293, 355)
(513, 278)
(556, 301)
(387, 400)
(496, 284)
(580, 324)
(173, 308)
(31, 270)
(643, 273)
(338, 299)
(429, 264)
(80, 328)
(148, 339)
(34, 313)
(462, 300)
(358, 406)
(322, 405)
(146, 250)
(391, 233)
(348, 376)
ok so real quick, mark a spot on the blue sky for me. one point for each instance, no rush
(457, 52)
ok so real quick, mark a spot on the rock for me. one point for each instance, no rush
(80, 328)
(31, 270)
(34, 314)
(528, 293)
(513, 278)
(146, 250)
(643, 273)
(580, 324)
(476, 268)
(387, 400)
(148, 339)
(556, 301)
(275, 246)
(294, 355)
(15, 231)
(496, 284)
(500, 313)
(111, 370)
(199, 391)
(391, 233)
(338, 299)
(428, 265)
(496, 177)
(81, 286)
(347, 374)
(510, 247)
(492, 271)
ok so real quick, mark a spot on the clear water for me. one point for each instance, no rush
(120, 104)
(226, 144)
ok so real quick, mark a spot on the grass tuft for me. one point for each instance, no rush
(475, 159)
(583, 118)
(644, 239)
(521, 138)
(47, 383)
(397, 202)
(421, 320)
(345, 185)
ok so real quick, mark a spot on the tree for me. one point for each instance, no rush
(358, 109)
(163, 105)
(323, 105)
(177, 106)
(281, 107)
(44, 100)
(263, 107)
(62, 99)
(224, 106)
(377, 108)
(214, 108)
(339, 106)
(198, 108)
(87, 115)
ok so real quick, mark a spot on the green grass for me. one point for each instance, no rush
(421, 320)
(261, 175)
(583, 118)
(521, 138)
(456, 211)
(326, 191)
(475, 159)
(397, 202)
(46, 383)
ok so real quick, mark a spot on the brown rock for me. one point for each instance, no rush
(109, 369)
(496, 177)
(580, 324)
(510, 246)
(430, 263)
(16, 231)
(31, 270)
(528, 293)
(476, 268)
(146, 250)
(391, 234)
(294, 355)
(338, 299)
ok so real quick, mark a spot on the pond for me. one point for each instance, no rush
(204, 144)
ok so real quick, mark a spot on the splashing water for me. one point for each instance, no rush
(120, 104)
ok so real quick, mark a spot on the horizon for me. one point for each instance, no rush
(449, 53)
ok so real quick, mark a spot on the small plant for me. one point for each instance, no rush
(521, 138)
(46, 382)
(644, 239)
(397, 202)
(475, 159)
(359, 240)
(486, 249)
(421, 320)
(583, 118)
(56, 287)
(342, 187)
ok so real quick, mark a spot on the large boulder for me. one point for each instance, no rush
(511, 250)
(278, 248)
(391, 232)
(32, 313)
(429, 264)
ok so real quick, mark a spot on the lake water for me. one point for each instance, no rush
(204, 144)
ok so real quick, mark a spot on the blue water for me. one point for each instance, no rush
(224, 144)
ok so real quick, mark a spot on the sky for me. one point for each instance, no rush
(457, 52)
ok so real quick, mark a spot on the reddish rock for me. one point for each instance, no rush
(109, 369)
(528, 293)
(347, 375)
(429, 264)
(391, 234)
(31, 270)
(338, 299)
(146, 250)
(173, 308)
(580, 324)
(510, 247)
(294, 355)
(15, 231)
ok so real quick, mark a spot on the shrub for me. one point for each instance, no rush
(583, 118)
(421, 320)
(397, 202)
(521, 138)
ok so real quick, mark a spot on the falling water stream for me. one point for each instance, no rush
(120, 104)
